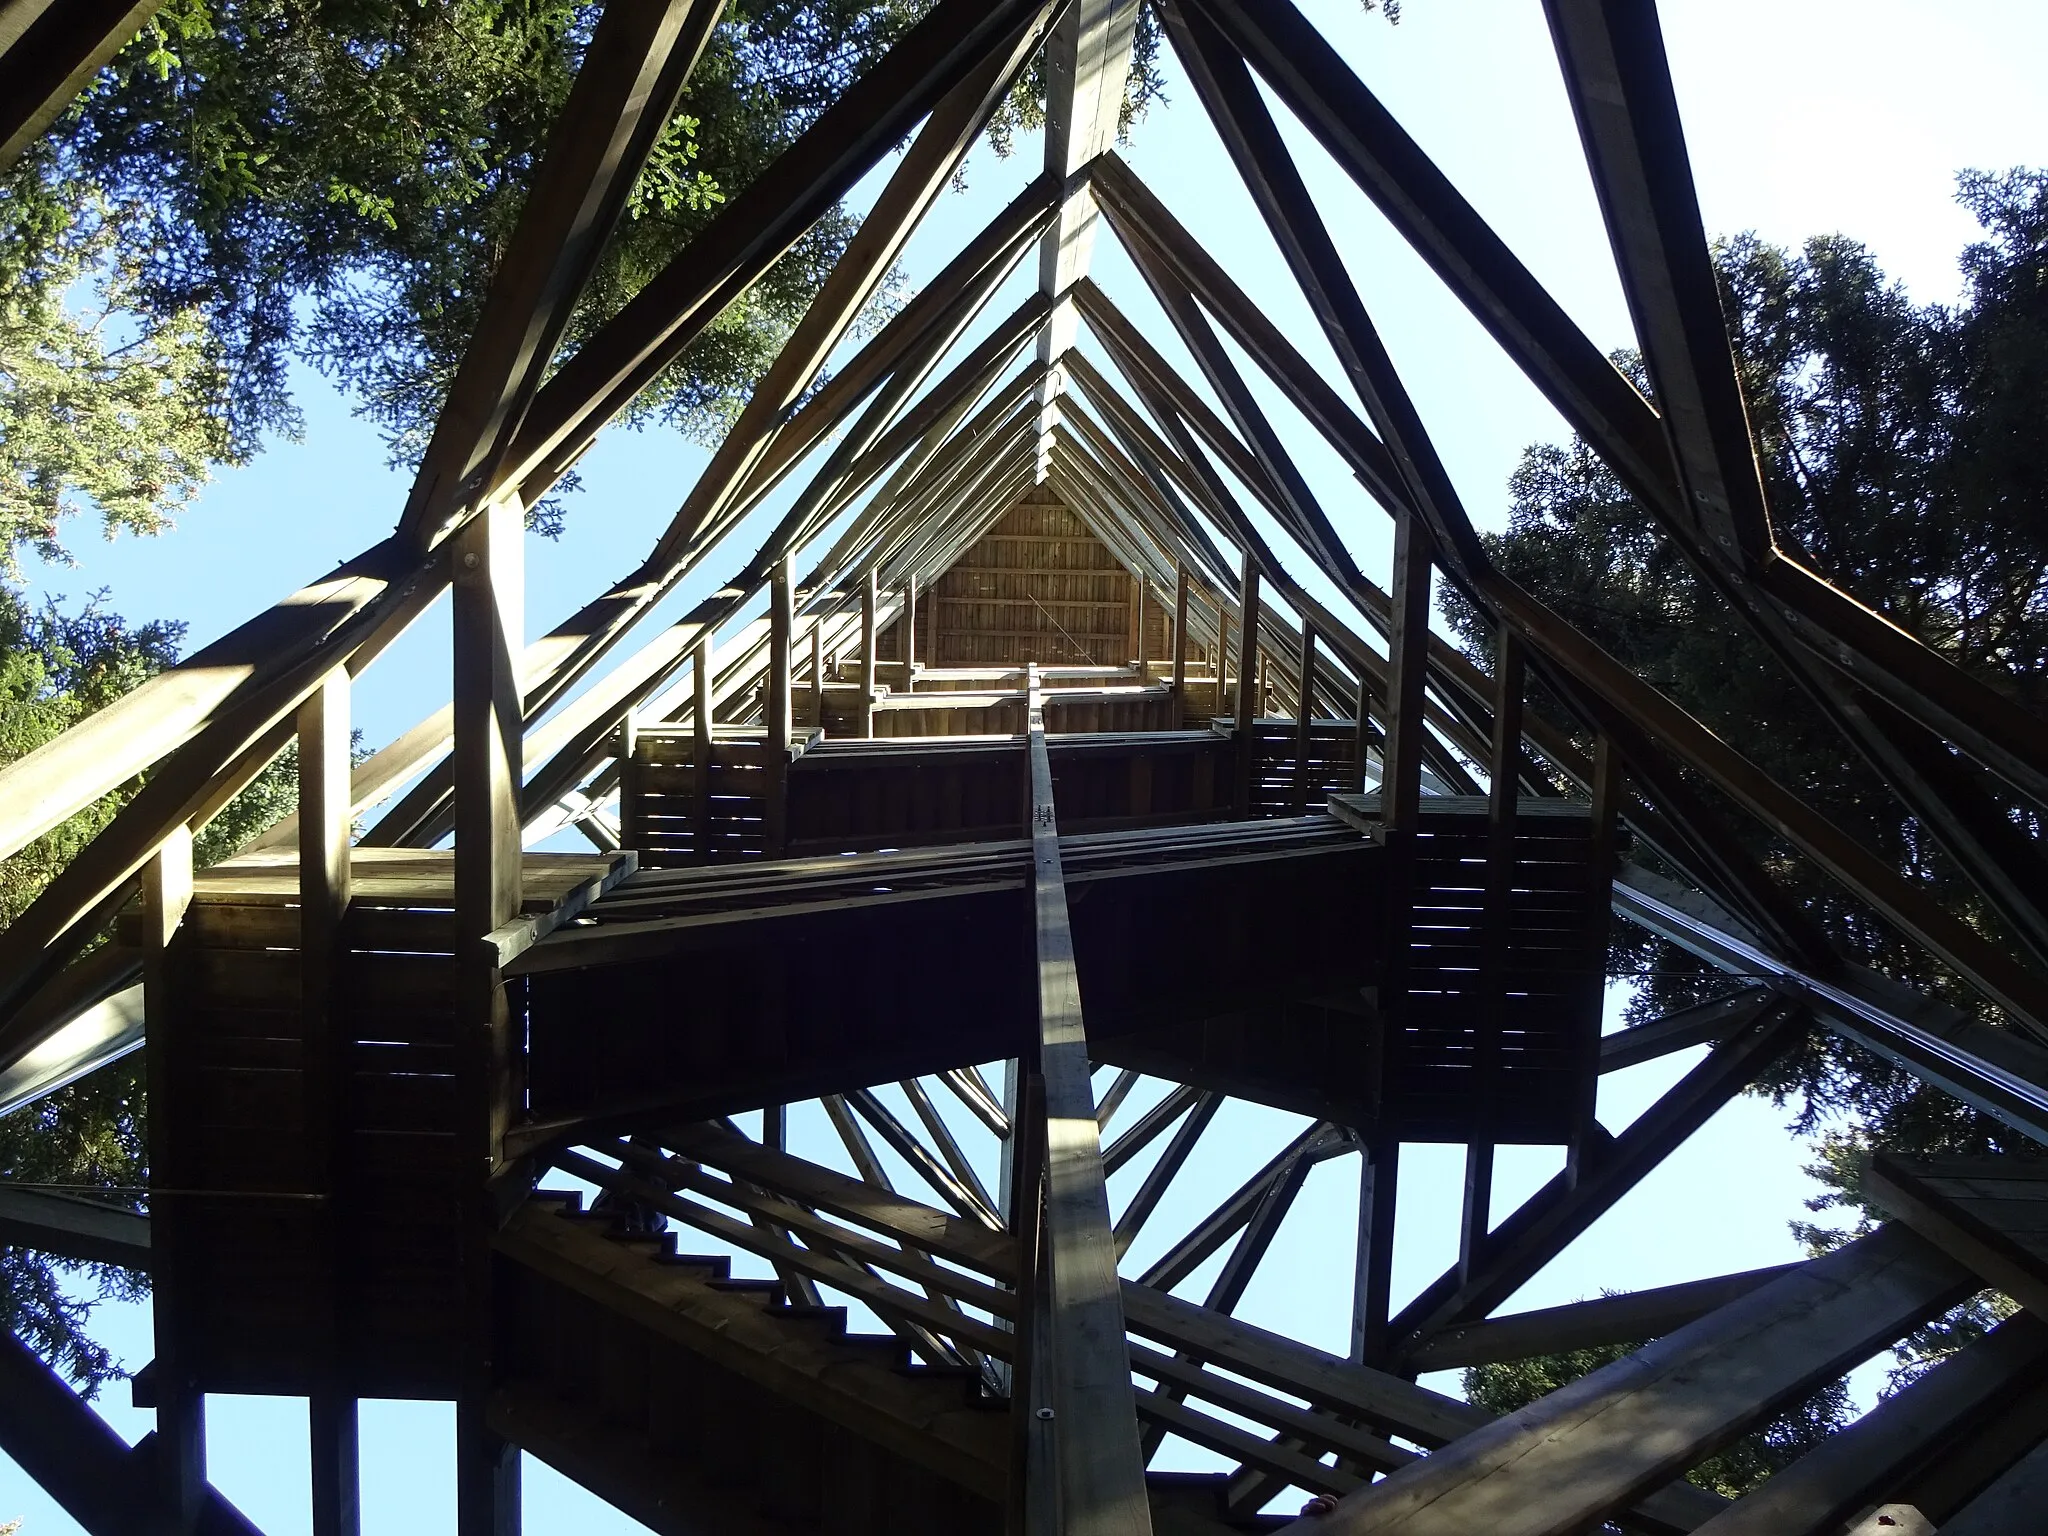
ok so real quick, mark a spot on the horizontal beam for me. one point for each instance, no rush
(72, 1228)
(1629, 1319)
(1701, 1024)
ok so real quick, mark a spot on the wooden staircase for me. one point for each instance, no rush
(698, 1403)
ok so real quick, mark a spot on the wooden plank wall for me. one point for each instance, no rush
(1038, 586)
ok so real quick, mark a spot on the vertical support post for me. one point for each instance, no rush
(1610, 794)
(1372, 1293)
(1222, 655)
(324, 889)
(870, 600)
(1304, 718)
(629, 780)
(1477, 1216)
(1246, 707)
(1144, 593)
(337, 1464)
(489, 642)
(906, 626)
(1180, 643)
(180, 1407)
(1408, 670)
(704, 742)
(818, 672)
(776, 713)
(1503, 792)
(1362, 724)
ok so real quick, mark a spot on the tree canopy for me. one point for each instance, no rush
(333, 183)
(1901, 446)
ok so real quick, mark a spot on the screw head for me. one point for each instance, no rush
(1046, 1414)
(471, 560)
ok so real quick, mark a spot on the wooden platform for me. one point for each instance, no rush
(685, 993)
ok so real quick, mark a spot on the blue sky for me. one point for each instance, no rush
(1804, 117)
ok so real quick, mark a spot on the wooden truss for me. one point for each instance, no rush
(367, 1058)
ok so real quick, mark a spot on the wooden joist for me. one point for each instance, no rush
(1587, 1450)
(1871, 1460)
(71, 1228)
(1631, 1318)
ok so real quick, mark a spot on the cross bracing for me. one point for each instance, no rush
(1407, 862)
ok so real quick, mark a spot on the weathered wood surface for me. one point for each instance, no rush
(1589, 1449)
(73, 1228)
(1870, 1460)
(1990, 1212)
(1631, 1318)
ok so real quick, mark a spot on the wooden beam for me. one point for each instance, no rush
(1304, 716)
(1180, 643)
(758, 226)
(1379, 1172)
(1588, 1450)
(1407, 665)
(489, 560)
(108, 1488)
(180, 1460)
(701, 681)
(906, 626)
(870, 600)
(1531, 1236)
(776, 712)
(49, 52)
(324, 828)
(2012, 1505)
(1100, 1473)
(1246, 706)
(71, 1228)
(818, 673)
(1701, 1024)
(1631, 1318)
(1864, 1462)
(1087, 64)
(640, 55)
(1987, 1211)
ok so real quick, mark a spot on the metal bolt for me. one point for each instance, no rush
(1046, 1414)
(471, 561)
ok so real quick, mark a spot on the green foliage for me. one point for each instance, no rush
(55, 669)
(1899, 447)
(336, 182)
(1504, 1387)
(99, 407)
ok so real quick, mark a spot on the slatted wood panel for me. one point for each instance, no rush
(1128, 710)
(1038, 586)
(1279, 787)
(1438, 1060)
(259, 1267)
(659, 810)
(852, 794)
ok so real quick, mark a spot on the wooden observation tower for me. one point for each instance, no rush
(1021, 761)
